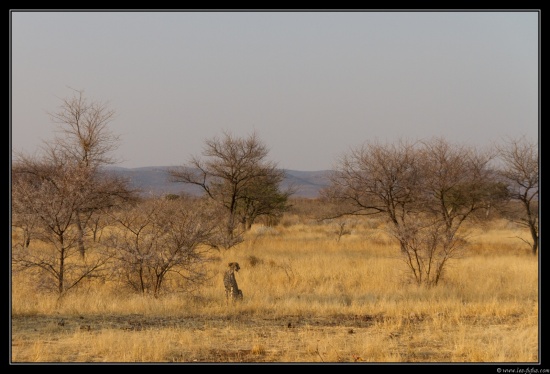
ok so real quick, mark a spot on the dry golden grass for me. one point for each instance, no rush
(307, 298)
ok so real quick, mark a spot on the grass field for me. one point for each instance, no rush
(308, 297)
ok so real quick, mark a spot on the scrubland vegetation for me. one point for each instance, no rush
(312, 293)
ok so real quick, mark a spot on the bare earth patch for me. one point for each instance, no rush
(245, 338)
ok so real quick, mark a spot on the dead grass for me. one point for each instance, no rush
(307, 298)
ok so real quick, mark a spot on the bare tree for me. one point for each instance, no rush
(456, 182)
(83, 130)
(83, 136)
(161, 237)
(426, 190)
(520, 169)
(56, 194)
(53, 193)
(237, 176)
(375, 178)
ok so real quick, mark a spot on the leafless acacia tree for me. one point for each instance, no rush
(161, 237)
(520, 169)
(58, 192)
(236, 175)
(83, 135)
(53, 193)
(83, 132)
(425, 189)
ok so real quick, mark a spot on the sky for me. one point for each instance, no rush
(310, 84)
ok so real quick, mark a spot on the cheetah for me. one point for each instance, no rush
(230, 283)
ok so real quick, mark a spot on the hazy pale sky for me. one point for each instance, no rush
(310, 84)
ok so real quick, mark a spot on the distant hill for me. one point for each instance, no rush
(153, 180)
(307, 183)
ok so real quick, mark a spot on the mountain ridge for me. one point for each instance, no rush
(154, 180)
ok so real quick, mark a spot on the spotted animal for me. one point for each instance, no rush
(230, 283)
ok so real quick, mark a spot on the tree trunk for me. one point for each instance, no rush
(81, 247)
(60, 278)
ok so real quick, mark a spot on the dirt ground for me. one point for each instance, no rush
(28, 329)
(244, 338)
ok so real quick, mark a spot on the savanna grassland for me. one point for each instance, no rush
(310, 295)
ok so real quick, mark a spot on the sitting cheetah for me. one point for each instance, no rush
(230, 283)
